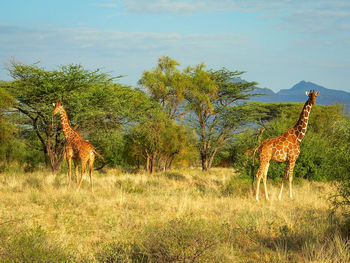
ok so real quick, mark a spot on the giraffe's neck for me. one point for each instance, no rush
(68, 131)
(301, 126)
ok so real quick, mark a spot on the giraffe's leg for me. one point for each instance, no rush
(264, 180)
(288, 172)
(83, 169)
(69, 169)
(91, 166)
(259, 175)
(258, 178)
(291, 168)
(69, 155)
(76, 173)
(284, 179)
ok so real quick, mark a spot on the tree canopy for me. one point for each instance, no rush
(93, 102)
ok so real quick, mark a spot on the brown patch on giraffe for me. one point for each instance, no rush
(291, 140)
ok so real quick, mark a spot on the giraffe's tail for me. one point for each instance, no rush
(104, 162)
(254, 151)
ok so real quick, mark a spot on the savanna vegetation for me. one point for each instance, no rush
(162, 196)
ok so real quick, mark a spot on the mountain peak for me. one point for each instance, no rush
(297, 94)
(306, 85)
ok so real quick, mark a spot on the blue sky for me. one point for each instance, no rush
(277, 42)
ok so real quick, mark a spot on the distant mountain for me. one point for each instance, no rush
(297, 94)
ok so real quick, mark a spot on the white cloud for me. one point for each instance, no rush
(307, 16)
(127, 53)
(317, 21)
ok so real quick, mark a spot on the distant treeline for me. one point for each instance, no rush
(191, 117)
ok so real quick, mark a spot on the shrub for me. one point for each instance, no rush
(173, 176)
(178, 240)
(30, 246)
(237, 186)
(129, 186)
(33, 181)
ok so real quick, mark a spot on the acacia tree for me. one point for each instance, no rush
(166, 84)
(88, 96)
(214, 101)
(209, 100)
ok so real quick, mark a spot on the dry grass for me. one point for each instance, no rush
(182, 215)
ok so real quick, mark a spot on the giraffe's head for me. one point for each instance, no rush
(312, 96)
(57, 109)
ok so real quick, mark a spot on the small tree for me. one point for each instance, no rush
(339, 165)
(166, 85)
(156, 140)
(214, 101)
(7, 129)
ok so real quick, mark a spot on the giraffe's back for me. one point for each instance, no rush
(82, 149)
(280, 148)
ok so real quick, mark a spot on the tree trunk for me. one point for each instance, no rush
(148, 164)
(153, 162)
(55, 154)
(205, 157)
(211, 158)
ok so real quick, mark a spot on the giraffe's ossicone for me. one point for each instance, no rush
(77, 148)
(285, 148)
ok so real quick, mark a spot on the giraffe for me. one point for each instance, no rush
(284, 148)
(77, 148)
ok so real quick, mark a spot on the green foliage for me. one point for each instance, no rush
(155, 141)
(210, 101)
(13, 150)
(166, 85)
(80, 91)
(7, 129)
(339, 165)
(215, 104)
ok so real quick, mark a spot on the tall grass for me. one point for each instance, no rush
(177, 216)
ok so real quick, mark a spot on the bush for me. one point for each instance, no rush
(30, 246)
(173, 176)
(129, 186)
(237, 186)
(178, 240)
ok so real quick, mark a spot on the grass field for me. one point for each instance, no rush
(177, 216)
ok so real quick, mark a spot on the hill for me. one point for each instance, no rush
(297, 94)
